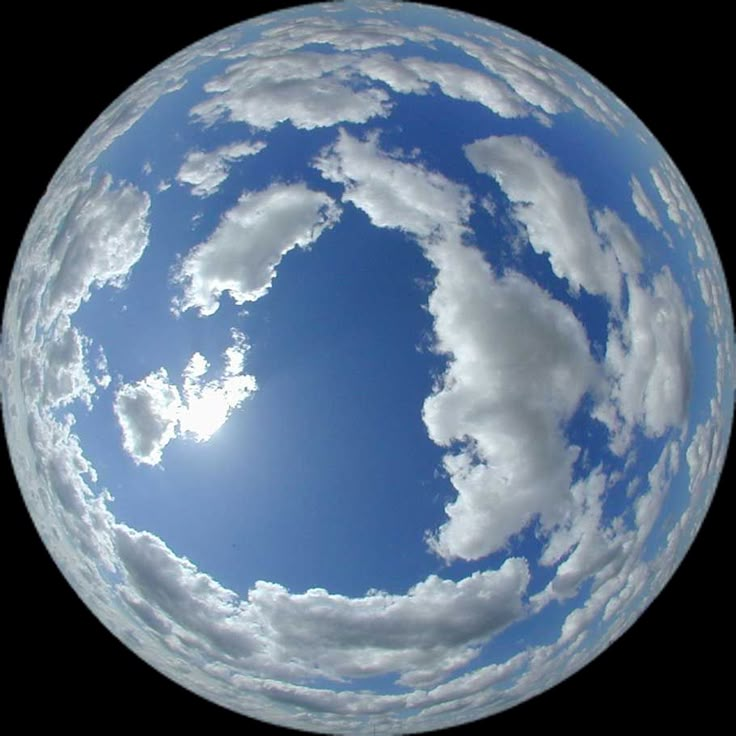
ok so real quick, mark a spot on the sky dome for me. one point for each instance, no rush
(343, 420)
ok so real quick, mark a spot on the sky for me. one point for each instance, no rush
(264, 310)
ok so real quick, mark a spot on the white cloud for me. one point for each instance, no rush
(394, 194)
(206, 170)
(643, 204)
(105, 234)
(153, 411)
(671, 191)
(61, 361)
(148, 413)
(359, 35)
(507, 342)
(617, 234)
(94, 242)
(553, 209)
(707, 450)
(234, 649)
(519, 365)
(241, 256)
(682, 209)
(299, 87)
(593, 549)
(465, 84)
(648, 362)
(647, 358)
(416, 74)
(277, 80)
(546, 81)
(713, 293)
(103, 378)
(206, 405)
(317, 633)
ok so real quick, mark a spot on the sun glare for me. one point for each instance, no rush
(204, 415)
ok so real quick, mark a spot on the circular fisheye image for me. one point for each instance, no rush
(366, 368)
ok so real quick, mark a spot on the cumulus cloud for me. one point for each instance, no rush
(394, 194)
(103, 378)
(153, 411)
(648, 362)
(581, 538)
(299, 87)
(713, 292)
(61, 365)
(681, 207)
(671, 190)
(105, 235)
(647, 355)
(506, 341)
(148, 414)
(317, 633)
(241, 256)
(519, 366)
(553, 210)
(358, 35)
(707, 450)
(204, 171)
(643, 204)
(617, 234)
(415, 75)
(546, 81)
(258, 652)
(278, 80)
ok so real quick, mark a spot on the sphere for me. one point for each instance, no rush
(367, 367)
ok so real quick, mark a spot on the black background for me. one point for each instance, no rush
(63, 67)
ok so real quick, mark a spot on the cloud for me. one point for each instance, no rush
(707, 450)
(148, 414)
(277, 80)
(465, 84)
(105, 234)
(647, 357)
(153, 411)
(548, 81)
(178, 593)
(103, 378)
(682, 209)
(713, 292)
(357, 35)
(519, 364)
(298, 87)
(394, 194)
(617, 234)
(648, 362)
(241, 256)
(588, 548)
(671, 191)
(60, 363)
(260, 651)
(317, 633)
(553, 209)
(206, 170)
(507, 341)
(415, 75)
(643, 204)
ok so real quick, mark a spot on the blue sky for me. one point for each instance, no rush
(335, 350)
(327, 476)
